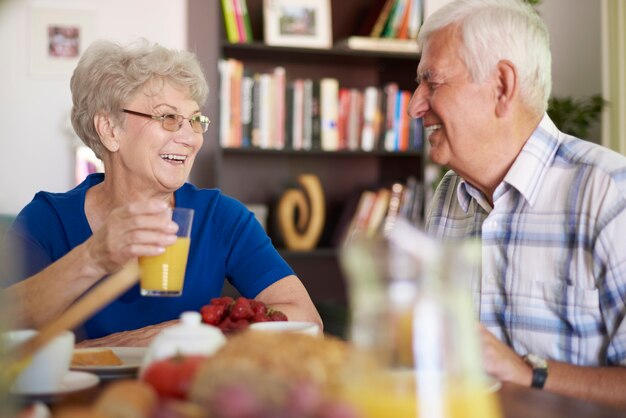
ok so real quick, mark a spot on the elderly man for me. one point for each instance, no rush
(549, 208)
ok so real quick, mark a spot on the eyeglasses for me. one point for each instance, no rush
(173, 123)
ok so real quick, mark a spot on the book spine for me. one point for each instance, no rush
(307, 116)
(224, 71)
(298, 114)
(377, 30)
(391, 91)
(235, 103)
(246, 21)
(265, 96)
(279, 77)
(329, 96)
(230, 23)
(241, 30)
(256, 111)
(247, 85)
(370, 104)
(354, 119)
(415, 19)
(342, 120)
(316, 117)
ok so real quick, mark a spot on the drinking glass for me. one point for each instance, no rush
(164, 274)
(413, 328)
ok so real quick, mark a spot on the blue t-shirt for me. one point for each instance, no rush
(226, 242)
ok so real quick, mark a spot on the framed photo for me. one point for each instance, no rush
(57, 38)
(298, 23)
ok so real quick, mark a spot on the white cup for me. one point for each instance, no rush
(47, 367)
(301, 327)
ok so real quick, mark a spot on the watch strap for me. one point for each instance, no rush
(540, 370)
(540, 374)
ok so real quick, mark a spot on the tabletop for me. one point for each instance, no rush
(516, 401)
(521, 402)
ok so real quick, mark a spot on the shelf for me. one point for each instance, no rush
(318, 153)
(338, 54)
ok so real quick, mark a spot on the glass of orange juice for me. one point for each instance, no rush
(164, 274)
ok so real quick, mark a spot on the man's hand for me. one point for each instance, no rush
(501, 362)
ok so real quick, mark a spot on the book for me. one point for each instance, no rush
(329, 112)
(246, 20)
(381, 44)
(395, 20)
(297, 117)
(415, 19)
(378, 212)
(279, 78)
(370, 128)
(230, 21)
(241, 30)
(307, 114)
(247, 84)
(360, 219)
(371, 17)
(224, 72)
(393, 213)
(379, 26)
(355, 119)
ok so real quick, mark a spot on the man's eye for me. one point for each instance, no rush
(169, 117)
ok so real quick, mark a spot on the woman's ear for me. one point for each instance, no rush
(106, 131)
(507, 85)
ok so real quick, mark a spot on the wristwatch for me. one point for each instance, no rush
(540, 370)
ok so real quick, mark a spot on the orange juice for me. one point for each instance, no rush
(384, 398)
(164, 274)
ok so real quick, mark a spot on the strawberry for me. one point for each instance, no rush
(276, 315)
(258, 307)
(224, 300)
(212, 314)
(241, 309)
(260, 317)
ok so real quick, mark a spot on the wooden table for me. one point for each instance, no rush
(521, 402)
(516, 401)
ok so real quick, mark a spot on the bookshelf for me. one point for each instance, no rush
(254, 175)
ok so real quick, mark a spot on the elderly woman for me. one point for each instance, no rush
(138, 109)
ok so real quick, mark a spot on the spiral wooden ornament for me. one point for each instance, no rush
(307, 205)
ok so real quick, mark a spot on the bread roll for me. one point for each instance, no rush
(127, 399)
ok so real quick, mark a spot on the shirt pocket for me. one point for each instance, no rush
(558, 320)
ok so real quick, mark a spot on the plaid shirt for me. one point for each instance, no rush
(553, 279)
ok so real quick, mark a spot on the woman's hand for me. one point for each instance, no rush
(137, 229)
(501, 362)
(141, 337)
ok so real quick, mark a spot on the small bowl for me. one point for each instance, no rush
(310, 328)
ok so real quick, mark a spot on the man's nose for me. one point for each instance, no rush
(420, 102)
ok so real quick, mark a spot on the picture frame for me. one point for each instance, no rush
(298, 23)
(58, 37)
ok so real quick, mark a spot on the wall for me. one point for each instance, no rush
(576, 41)
(36, 148)
(37, 154)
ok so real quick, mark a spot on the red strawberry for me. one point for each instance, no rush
(239, 325)
(241, 309)
(276, 315)
(224, 300)
(226, 324)
(260, 317)
(212, 314)
(258, 307)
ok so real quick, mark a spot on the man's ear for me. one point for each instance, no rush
(506, 85)
(106, 131)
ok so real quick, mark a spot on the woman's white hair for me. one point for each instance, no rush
(495, 30)
(108, 75)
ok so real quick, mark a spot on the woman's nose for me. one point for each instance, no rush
(420, 102)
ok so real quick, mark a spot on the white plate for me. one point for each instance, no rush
(72, 382)
(131, 358)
